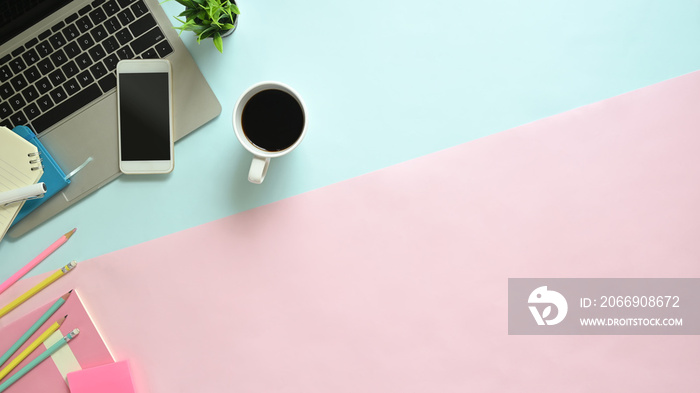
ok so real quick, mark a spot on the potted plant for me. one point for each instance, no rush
(209, 19)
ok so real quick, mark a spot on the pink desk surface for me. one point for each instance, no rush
(396, 281)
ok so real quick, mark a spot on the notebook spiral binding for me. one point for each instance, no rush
(35, 158)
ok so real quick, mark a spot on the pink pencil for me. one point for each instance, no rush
(58, 243)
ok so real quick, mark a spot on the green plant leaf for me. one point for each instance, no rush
(188, 12)
(207, 18)
(218, 42)
(186, 25)
(179, 32)
(186, 3)
(228, 17)
(193, 28)
(206, 33)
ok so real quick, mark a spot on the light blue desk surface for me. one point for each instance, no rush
(384, 82)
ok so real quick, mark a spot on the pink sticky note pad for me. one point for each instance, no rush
(110, 378)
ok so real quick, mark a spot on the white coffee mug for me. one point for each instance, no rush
(262, 156)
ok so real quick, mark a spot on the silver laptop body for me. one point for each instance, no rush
(91, 131)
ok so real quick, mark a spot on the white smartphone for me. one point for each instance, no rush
(144, 106)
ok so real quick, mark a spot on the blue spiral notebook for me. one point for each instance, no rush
(54, 178)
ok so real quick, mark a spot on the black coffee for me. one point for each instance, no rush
(272, 120)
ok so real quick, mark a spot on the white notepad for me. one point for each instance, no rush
(20, 166)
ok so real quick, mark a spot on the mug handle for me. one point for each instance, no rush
(258, 169)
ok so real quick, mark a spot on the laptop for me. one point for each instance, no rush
(57, 76)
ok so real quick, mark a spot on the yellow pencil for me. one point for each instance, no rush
(38, 287)
(34, 345)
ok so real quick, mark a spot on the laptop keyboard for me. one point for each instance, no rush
(73, 63)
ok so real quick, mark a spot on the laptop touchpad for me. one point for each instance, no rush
(91, 133)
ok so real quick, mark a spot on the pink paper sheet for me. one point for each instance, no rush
(396, 281)
(88, 348)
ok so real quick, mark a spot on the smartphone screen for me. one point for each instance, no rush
(144, 116)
